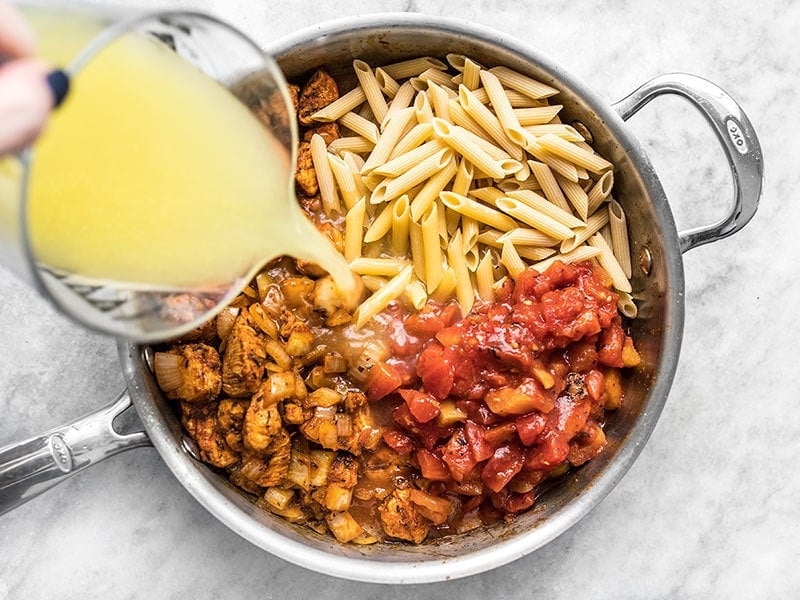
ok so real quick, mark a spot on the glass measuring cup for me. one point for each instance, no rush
(144, 304)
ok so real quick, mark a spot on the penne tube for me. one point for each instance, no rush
(527, 237)
(522, 83)
(534, 254)
(434, 269)
(419, 134)
(524, 213)
(355, 163)
(593, 224)
(422, 108)
(354, 230)
(517, 99)
(416, 295)
(353, 144)
(402, 99)
(549, 184)
(439, 100)
(489, 122)
(463, 178)
(610, 263)
(444, 291)
(377, 267)
(373, 283)
(400, 219)
(491, 237)
(345, 180)
(545, 207)
(382, 297)
(512, 185)
(576, 196)
(465, 293)
(358, 124)
(380, 225)
(511, 260)
(558, 164)
(489, 195)
(580, 253)
(626, 305)
(427, 195)
(393, 188)
(619, 236)
(386, 83)
(372, 90)
(537, 115)
(458, 139)
(484, 278)
(502, 107)
(395, 129)
(471, 74)
(327, 186)
(480, 212)
(413, 67)
(417, 249)
(459, 116)
(600, 191)
(341, 106)
(473, 257)
(432, 76)
(470, 229)
(574, 153)
(404, 162)
(566, 132)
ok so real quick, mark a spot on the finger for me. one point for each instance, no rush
(25, 102)
(16, 36)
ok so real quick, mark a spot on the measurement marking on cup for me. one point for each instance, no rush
(60, 452)
(735, 133)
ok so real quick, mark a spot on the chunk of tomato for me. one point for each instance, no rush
(422, 405)
(457, 454)
(437, 371)
(506, 462)
(382, 380)
(480, 448)
(431, 466)
(398, 441)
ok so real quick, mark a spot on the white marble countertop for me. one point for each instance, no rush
(711, 509)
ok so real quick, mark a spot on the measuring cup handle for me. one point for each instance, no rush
(734, 132)
(33, 466)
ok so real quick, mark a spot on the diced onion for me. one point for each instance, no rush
(168, 368)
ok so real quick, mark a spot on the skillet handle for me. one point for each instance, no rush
(735, 133)
(33, 466)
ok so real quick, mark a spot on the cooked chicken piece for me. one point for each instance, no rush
(344, 471)
(230, 416)
(244, 358)
(327, 131)
(297, 291)
(305, 176)
(320, 91)
(400, 518)
(194, 376)
(352, 429)
(201, 424)
(262, 426)
(269, 470)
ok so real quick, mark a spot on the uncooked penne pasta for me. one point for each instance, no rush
(382, 297)
(458, 138)
(396, 128)
(345, 180)
(489, 122)
(580, 253)
(610, 263)
(401, 215)
(626, 305)
(574, 153)
(413, 67)
(422, 108)
(353, 144)
(536, 115)
(575, 194)
(434, 269)
(341, 106)
(427, 168)
(545, 207)
(439, 100)
(534, 254)
(380, 225)
(489, 195)
(444, 291)
(550, 188)
(511, 260)
(619, 236)
(378, 267)
(511, 185)
(402, 99)
(419, 134)
(417, 249)
(465, 293)
(471, 74)
(593, 224)
(600, 191)
(406, 161)
(354, 230)
(522, 212)
(502, 107)
(558, 164)
(480, 212)
(327, 186)
(566, 132)
(372, 90)
(484, 278)
(459, 116)
(522, 83)
(463, 179)
(416, 294)
(358, 124)
(427, 195)
(386, 83)
(435, 76)
(522, 236)
(355, 163)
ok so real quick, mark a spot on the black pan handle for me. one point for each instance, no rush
(734, 132)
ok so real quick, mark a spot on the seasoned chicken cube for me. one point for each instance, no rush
(320, 91)
(400, 518)
(244, 359)
(201, 424)
(230, 416)
(270, 469)
(305, 176)
(189, 372)
(327, 131)
(262, 426)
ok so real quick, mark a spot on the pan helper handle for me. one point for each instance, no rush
(734, 132)
(33, 466)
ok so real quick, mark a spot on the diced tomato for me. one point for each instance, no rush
(382, 380)
(506, 462)
(422, 405)
(450, 336)
(478, 411)
(425, 324)
(518, 502)
(595, 384)
(399, 441)
(530, 427)
(457, 454)
(436, 371)
(427, 433)
(549, 452)
(431, 466)
(611, 342)
(480, 448)
(500, 434)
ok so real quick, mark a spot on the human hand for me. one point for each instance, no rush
(27, 90)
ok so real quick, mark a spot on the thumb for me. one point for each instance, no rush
(26, 100)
